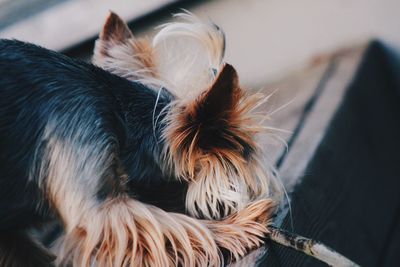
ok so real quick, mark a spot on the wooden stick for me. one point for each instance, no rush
(310, 247)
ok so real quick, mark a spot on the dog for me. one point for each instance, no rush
(85, 144)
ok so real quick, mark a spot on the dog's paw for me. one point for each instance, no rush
(244, 230)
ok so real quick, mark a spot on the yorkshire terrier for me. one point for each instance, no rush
(89, 144)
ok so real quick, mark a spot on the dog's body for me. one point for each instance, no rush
(80, 144)
(54, 97)
(48, 100)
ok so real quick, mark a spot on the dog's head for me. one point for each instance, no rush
(210, 133)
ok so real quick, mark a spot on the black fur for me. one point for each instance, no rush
(17, 249)
(38, 85)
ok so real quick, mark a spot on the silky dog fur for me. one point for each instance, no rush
(82, 143)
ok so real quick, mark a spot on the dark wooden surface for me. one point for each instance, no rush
(349, 195)
(315, 93)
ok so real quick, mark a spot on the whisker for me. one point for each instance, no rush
(154, 114)
(269, 128)
(281, 107)
(264, 100)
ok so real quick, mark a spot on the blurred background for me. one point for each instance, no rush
(266, 39)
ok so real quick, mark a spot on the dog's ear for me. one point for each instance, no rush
(115, 32)
(215, 111)
(211, 121)
(221, 98)
(118, 51)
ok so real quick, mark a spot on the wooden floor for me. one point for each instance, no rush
(346, 165)
(312, 95)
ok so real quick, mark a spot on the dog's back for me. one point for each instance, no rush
(39, 87)
(46, 97)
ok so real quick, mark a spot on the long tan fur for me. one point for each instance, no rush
(238, 181)
(185, 57)
(125, 232)
(121, 231)
(221, 180)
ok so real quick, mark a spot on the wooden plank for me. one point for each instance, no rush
(315, 93)
(319, 110)
(349, 195)
(290, 95)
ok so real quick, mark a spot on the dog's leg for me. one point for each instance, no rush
(105, 227)
(17, 249)
(125, 232)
